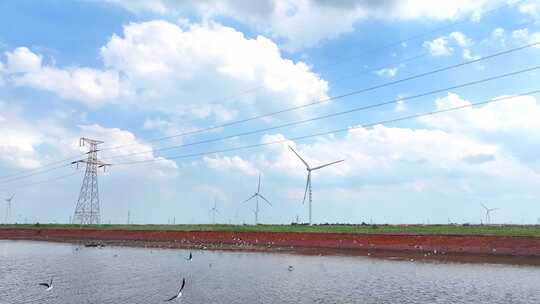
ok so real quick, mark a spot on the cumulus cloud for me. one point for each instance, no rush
(511, 123)
(523, 36)
(517, 114)
(439, 47)
(390, 152)
(91, 86)
(19, 140)
(176, 70)
(234, 163)
(467, 54)
(306, 23)
(401, 106)
(30, 143)
(442, 46)
(388, 72)
(130, 149)
(497, 32)
(199, 72)
(531, 9)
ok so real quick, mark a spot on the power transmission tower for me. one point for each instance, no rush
(87, 209)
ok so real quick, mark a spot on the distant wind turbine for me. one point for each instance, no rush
(256, 197)
(488, 213)
(308, 182)
(8, 208)
(214, 210)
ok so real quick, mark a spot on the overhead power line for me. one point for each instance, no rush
(357, 109)
(411, 38)
(416, 76)
(369, 51)
(9, 176)
(42, 181)
(300, 138)
(336, 131)
(337, 97)
(35, 172)
(249, 119)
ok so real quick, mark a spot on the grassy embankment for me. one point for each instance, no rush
(530, 230)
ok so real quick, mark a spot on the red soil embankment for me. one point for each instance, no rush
(519, 246)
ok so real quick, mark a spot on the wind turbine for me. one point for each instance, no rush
(488, 212)
(8, 208)
(214, 210)
(256, 197)
(308, 182)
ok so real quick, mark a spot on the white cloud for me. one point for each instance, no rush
(511, 123)
(467, 54)
(91, 86)
(306, 23)
(523, 36)
(177, 71)
(460, 39)
(234, 163)
(401, 106)
(18, 141)
(194, 73)
(129, 149)
(22, 60)
(441, 46)
(517, 115)
(388, 72)
(389, 155)
(29, 143)
(498, 32)
(531, 9)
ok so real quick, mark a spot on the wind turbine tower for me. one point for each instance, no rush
(308, 182)
(214, 210)
(87, 211)
(256, 197)
(8, 208)
(488, 213)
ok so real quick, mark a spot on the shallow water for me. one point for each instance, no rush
(137, 275)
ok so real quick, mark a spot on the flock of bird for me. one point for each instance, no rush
(49, 285)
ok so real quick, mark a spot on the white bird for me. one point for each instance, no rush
(179, 292)
(48, 285)
(190, 257)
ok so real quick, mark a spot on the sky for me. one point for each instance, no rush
(177, 90)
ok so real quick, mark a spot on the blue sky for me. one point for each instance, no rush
(128, 72)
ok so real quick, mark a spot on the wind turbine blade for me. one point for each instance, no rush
(484, 206)
(305, 163)
(260, 195)
(250, 198)
(307, 184)
(326, 165)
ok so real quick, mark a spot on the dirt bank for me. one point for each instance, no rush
(404, 245)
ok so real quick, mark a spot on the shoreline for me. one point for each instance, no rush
(517, 250)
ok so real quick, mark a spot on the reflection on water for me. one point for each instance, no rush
(136, 275)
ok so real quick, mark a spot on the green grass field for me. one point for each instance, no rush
(530, 230)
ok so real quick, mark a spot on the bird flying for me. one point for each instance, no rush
(179, 292)
(48, 285)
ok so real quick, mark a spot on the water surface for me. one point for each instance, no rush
(137, 275)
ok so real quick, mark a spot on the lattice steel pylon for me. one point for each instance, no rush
(87, 211)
